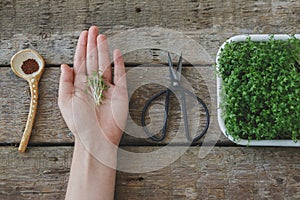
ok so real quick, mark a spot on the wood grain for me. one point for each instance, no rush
(225, 173)
(54, 25)
(52, 28)
(143, 82)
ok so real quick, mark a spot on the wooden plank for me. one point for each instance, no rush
(40, 173)
(225, 173)
(53, 26)
(143, 82)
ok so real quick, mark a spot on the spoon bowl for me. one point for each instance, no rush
(18, 59)
(33, 79)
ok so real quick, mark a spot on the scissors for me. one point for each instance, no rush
(175, 87)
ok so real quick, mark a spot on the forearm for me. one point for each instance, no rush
(90, 178)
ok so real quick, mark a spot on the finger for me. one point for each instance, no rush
(80, 54)
(92, 52)
(66, 84)
(119, 70)
(104, 58)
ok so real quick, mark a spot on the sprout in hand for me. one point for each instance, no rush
(97, 85)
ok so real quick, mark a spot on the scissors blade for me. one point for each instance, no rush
(173, 75)
(179, 67)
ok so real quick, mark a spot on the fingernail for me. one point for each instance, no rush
(62, 68)
(102, 37)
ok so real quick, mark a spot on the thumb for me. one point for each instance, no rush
(66, 84)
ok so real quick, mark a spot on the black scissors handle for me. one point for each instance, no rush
(175, 84)
(184, 112)
(167, 92)
(145, 109)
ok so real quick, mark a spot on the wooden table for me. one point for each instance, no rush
(52, 28)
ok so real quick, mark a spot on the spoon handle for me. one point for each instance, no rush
(33, 84)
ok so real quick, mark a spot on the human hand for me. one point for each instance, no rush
(87, 121)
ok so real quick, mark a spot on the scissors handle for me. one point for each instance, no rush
(166, 112)
(185, 118)
(183, 108)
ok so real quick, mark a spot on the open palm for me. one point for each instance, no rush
(87, 121)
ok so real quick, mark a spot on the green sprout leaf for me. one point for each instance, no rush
(97, 86)
(261, 89)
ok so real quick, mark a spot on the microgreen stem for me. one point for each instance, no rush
(97, 85)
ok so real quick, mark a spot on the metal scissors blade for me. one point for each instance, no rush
(179, 67)
(175, 78)
(173, 75)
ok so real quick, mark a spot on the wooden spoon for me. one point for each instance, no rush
(33, 80)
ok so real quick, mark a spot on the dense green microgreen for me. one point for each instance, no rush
(261, 89)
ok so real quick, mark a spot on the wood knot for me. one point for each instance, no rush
(43, 35)
(279, 181)
(139, 179)
(138, 10)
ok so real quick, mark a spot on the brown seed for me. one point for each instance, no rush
(30, 66)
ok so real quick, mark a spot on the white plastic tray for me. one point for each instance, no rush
(239, 38)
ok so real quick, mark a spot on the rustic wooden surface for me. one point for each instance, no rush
(225, 173)
(50, 127)
(54, 25)
(52, 28)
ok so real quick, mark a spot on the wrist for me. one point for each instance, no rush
(89, 173)
(103, 152)
(99, 135)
